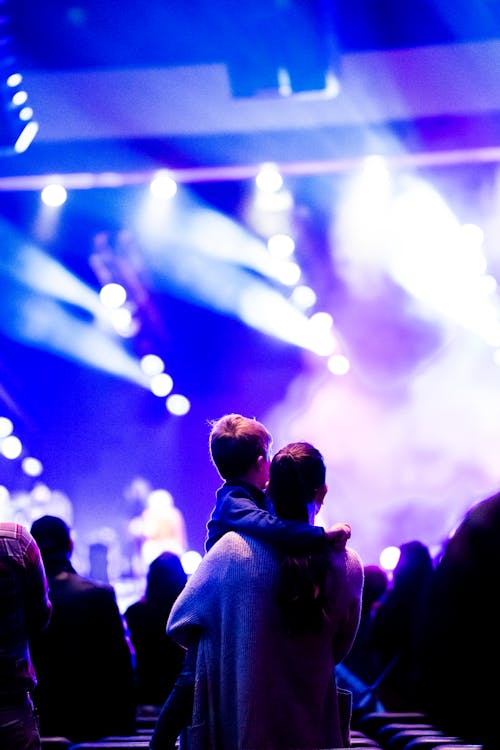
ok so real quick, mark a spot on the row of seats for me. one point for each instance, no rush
(408, 731)
(382, 730)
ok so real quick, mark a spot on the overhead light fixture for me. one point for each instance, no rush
(287, 49)
(17, 125)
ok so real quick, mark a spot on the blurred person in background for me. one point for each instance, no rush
(158, 658)
(459, 657)
(25, 611)
(360, 670)
(83, 661)
(396, 626)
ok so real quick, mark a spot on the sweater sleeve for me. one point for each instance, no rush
(350, 624)
(187, 616)
(241, 514)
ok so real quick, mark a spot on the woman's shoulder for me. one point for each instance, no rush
(350, 564)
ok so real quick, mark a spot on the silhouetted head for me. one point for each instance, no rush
(375, 585)
(414, 567)
(165, 579)
(53, 536)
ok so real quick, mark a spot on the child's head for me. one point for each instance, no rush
(238, 445)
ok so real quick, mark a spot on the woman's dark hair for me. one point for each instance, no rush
(297, 471)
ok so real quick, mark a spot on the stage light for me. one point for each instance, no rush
(151, 364)
(178, 405)
(32, 466)
(13, 80)
(323, 321)
(19, 98)
(269, 180)
(11, 447)
(303, 297)
(338, 364)
(286, 49)
(54, 195)
(289, 274)
(190, 561)
(17, 128)
(124, 322)
(161, 384)
(389, 558)
(281, 246)
(163, 186)
(25, 114)
(26, 137)
(113, 295)
(6, 427)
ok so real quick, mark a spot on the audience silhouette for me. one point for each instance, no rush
(360, 668)
(396, 626)
(460, 650)
(82, 660)
(158, 658)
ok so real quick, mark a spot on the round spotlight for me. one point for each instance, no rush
(190, 561)
(163, 186)
(161, 384)
(54, 195)
(32, 466)
(281, 246)
(178, 405)
(269, 179)
(112, 295)
(6, 427)
(338, 364)
(151, 364)
(11, 447)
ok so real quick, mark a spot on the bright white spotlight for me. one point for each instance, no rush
(113, 295)
(161, 384)
(289, 273)
(269, 179)
(32, 466)
(15, 79)
(54, 195)
(124, 322)
(473, 234)
(389, 557)
(26, 137)
(25, 114)
(151, 364)
(6, 427)
(323, 321)
(178, 405)
(41, 493)
(190, 561)
(163, 186)
(281, 246)
(303, 297)
(11, 447)
(19, 98)
(338, 364)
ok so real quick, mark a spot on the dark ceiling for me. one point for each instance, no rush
(129, 85)
(91, 34)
